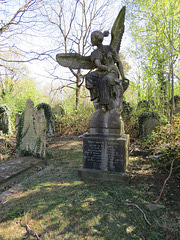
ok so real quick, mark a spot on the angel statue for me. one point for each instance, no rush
(106, 89)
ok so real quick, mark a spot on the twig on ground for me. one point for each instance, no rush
(167, 228)
(144, 215)
(30, 231)
(165, 182)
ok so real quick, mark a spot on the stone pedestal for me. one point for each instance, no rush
(106, 149)
(103, 176)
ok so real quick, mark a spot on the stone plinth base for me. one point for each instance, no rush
(104, 176)
(106, 153)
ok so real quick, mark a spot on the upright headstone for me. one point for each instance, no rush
(148, 122)
(5, 123)
(31, 137)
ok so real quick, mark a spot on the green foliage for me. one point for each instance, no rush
(7, 146)
(73, 121)
(155, 30)
(75, 124)
(166, 141)
(20, 135)
(16, 95)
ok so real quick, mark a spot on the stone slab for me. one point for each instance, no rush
(103, 176)
(106, 153)
(154, 207)
(12, 167)
(18, 186)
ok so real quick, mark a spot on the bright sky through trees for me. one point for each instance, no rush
(35, 35)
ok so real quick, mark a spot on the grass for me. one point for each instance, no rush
(59, 205)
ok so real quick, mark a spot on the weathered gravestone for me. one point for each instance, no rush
(106, 149)
(148, 122)
(5, 124)
(31, 136)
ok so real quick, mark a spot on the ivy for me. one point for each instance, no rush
(20, 135)
(49, 115)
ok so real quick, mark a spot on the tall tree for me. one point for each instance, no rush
(18, 18)
(155, 28)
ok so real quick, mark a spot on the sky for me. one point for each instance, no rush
(40, 40)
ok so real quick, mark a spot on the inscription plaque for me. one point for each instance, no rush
(106, 154)
(92, 154)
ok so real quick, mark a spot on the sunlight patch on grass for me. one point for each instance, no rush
(11, 230)
(123, 215)
(129, 229)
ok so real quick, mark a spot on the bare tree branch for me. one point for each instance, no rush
(16, 19)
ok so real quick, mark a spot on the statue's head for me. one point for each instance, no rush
(98, 36)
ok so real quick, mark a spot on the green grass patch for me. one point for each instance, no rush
(59, 205)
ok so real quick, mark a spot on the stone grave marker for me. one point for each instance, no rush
(5, 124)
(148, 122)
(31, 136)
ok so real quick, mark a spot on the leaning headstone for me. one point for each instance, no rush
(5, 123)
(148, 122)
(31, 136)
(50, 126)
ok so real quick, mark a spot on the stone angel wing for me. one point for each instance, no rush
(118, 30)
(75, 61)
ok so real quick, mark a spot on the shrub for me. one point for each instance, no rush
(166, 141)
(75, 124)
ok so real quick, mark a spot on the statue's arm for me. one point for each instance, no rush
(100, 66)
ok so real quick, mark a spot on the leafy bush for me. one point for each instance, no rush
(166, 142)
(73, 121)
(75, 124)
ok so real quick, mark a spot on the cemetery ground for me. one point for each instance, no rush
(52, 202)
